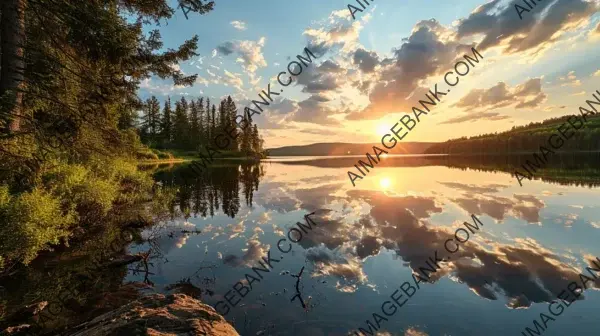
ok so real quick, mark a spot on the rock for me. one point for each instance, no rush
(158, 315)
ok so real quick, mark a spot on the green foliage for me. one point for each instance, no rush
(67, 194)
(33, 221)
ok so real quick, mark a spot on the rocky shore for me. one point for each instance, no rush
(154, 315)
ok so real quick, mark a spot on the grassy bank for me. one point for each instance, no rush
(156, 156)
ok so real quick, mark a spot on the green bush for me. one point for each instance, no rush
(65, 195)
(32, 222)
(76, 187)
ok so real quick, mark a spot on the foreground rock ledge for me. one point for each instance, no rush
(159, 315)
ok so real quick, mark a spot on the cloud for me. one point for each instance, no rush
(283, 106)
(158, 86)
(226, 48)
(475, 189)
(500, 26)
(339, 34)
(475, 116)
(366, 61)
(570, 80)
(526, 208)
(253, 253)
(280, 112)
(201, 80)
(318, 131)
(426, 52)
(233, 80)
(526, 95)
(329, 76)
(170, 236)
(239, 25)
(414, 332)
(349, 271)
(524, 273)
(249, 53)
(394, 85)
(594, 34)
(596, 74)
(314, 109)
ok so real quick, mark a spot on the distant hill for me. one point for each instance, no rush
(341, 148)
(527, 139)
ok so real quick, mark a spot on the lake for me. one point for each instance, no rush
(368, 239)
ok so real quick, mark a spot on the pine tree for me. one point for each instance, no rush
(194, 131)
(213, 124)
(12, 71)
(231, 114)
(222, 116)
(208, 123)
(180, 124)
(201, 123)
(167, 125)
(256, 145)
(246, 143)
(151, 119)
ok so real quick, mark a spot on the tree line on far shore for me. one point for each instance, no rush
(195, 123)
(528, 138)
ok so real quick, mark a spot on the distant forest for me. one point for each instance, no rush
(525, 139)
(193, 124)
(340, 148)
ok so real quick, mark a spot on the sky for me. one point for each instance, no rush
(372, 69)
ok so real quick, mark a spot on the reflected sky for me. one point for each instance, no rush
(535, 240)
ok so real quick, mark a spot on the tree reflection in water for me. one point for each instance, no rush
(219, 187)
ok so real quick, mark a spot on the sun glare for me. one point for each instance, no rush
(385, 182)
(382, 129)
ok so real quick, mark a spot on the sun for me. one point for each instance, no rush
(382, 129)
(385, 182)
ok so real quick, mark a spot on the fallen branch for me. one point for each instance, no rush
(298, 294)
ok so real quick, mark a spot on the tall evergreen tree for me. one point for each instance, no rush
(194, 131)
(201, 123)
(151, 119)
(213, 124)
(208, 121)
(222, 116)
(256, 140)
(246, 143)
(12, 63)
(231, 114)
(180, 124)
(167, 124)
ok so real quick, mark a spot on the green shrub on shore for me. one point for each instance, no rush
(67, 196)
(34, 220)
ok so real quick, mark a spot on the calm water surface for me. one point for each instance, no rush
(534, 241)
